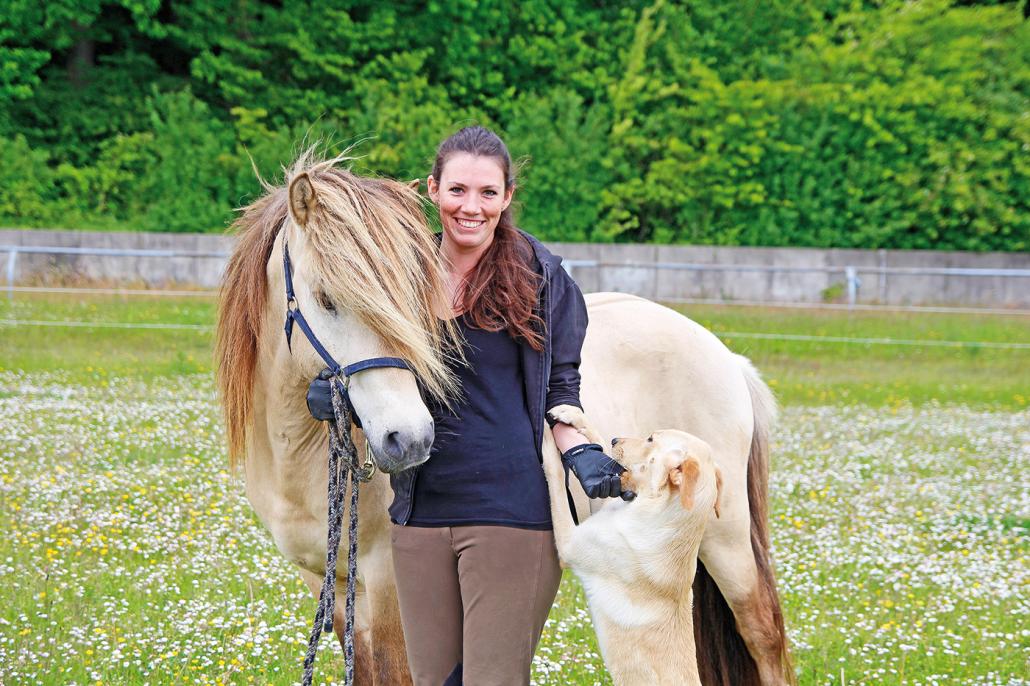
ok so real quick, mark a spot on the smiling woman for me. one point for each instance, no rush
(473, 550)
(488, 259)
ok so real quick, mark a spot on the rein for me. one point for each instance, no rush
(344, 473)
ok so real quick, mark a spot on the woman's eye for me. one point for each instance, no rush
(490, 193)
(455, 191)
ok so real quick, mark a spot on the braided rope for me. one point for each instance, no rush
(344, 472)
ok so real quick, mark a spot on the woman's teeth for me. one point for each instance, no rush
(469, 223)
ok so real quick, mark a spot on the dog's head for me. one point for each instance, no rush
(668, 464)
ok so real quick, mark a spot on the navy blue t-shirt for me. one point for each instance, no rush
(483, 467)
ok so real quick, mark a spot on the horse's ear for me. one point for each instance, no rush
(302, 199)
(414, 184)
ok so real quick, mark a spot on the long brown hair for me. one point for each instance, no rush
(500, 292)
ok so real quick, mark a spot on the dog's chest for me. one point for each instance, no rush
(623, 604)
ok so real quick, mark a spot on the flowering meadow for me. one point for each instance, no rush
(130, 555)
(901, 532)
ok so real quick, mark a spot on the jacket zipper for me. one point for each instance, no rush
(411, 497)
(545, 301)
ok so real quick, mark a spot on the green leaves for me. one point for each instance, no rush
(820, 122)
(904, 135)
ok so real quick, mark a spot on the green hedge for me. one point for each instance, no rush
(806, 123)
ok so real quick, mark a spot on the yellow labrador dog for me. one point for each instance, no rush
(637, 559)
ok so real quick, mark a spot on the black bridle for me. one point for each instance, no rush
(334, 369)
(343, 467)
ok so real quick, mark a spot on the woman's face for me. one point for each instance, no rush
(471, 196)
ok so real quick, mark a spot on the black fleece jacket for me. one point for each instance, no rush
(551, 377)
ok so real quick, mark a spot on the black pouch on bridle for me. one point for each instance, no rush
(320, 398)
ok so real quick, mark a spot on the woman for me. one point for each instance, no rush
(473, 549)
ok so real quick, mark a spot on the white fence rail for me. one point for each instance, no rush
(848, 273)
(605, 275)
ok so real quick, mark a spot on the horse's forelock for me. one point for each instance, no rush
(373, 251)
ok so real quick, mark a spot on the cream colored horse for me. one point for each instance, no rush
(368, 281)
(647, 368)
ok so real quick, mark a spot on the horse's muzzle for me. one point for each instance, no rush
(402, 449)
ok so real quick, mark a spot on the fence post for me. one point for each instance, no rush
(881, 296)
(851, 275)
(12, 259)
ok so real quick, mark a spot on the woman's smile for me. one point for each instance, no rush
(469, 223)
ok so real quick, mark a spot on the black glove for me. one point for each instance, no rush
(598, 473)
(320, 397)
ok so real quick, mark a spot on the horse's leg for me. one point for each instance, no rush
(387, 634)
(730, 561)
(362, 651)
(376, 580)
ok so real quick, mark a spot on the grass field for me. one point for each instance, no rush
(801, 372)
(900, 508)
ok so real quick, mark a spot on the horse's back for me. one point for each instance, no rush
(647, 367)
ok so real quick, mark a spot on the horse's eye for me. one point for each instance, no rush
(325, 302)
(650, 439)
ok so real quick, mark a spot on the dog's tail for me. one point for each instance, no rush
(723, 658)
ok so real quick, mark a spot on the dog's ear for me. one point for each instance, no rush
(685, 475)
(718, 492)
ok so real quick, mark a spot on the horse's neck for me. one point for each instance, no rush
(287, 470)
(286, 445)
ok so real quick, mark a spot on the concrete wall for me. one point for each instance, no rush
(800, 286)
(659, 284)
(151, 271)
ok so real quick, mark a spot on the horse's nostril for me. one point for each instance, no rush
(393, 446)
(407, 448)
(614, 441)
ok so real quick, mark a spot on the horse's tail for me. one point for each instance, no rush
(723, 658)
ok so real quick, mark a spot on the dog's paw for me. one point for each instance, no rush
(569, 414)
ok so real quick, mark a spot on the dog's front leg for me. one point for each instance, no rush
(574, 417)
(561, 517)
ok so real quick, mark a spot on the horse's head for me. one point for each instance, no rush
(367, 279)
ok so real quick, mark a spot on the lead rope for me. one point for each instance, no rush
(341, 445)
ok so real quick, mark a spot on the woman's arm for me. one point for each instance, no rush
(597, 472)
(567, 323)
(566, 437)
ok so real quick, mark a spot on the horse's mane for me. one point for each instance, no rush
(373, 254)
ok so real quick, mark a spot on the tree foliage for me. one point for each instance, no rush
(851, 123)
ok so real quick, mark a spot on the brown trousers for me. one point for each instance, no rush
(473, 601)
